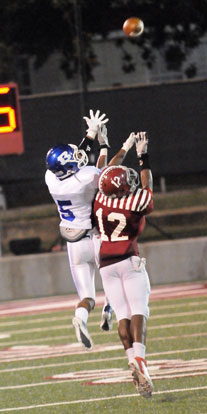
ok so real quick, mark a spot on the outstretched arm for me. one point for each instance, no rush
(143, 157)
(104, 145)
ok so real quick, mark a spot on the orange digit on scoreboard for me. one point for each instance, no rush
(11, 135)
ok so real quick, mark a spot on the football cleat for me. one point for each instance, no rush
(141, 378)
(107, 318)
(82, 334)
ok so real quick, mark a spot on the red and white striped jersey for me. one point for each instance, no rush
(120, 221)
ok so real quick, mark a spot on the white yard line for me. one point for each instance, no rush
(178, 314)
(61, 403)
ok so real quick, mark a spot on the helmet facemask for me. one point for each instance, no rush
(132, 179)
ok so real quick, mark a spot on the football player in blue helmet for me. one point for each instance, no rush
(65, 159)
(73, 189)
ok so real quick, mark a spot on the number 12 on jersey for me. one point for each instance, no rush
(113, 216)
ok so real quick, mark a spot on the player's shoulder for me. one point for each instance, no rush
(136, 201)
(87, 172)
(50, 177)
(90, 169)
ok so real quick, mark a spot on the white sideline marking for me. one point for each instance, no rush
(92, 361)
(56, 404)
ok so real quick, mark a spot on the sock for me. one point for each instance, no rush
(139, 349)
(82, 313)
(130, 354)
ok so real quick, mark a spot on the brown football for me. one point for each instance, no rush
(133, 26)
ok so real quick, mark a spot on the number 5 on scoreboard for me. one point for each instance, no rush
(11, 137)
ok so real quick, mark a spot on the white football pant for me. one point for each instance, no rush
(84, 257)
(127, 286)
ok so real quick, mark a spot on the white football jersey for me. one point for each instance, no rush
(74, 195)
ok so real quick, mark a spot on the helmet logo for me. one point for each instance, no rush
(116, 181)
(64, 158)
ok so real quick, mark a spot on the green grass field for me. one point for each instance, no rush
(98, 381)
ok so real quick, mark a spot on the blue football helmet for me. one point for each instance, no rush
(65, 159)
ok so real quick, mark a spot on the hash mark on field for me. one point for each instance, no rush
(61, 403)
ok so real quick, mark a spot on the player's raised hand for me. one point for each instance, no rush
(94, 122)
(141, 143)
(102, 136)
(129, 142)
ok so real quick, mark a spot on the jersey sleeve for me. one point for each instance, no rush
(143, 201)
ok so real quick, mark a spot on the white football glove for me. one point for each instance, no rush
(102, 136)
(141, 143)
(94, 122)
(129, 142)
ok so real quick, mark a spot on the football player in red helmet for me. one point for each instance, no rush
(119, 209)
(117, 181)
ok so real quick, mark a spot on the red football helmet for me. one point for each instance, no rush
(117, 181)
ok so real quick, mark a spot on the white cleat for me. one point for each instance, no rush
(107, 318)
(141, 378)
(82, 333)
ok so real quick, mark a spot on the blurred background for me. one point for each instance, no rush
(68, 56)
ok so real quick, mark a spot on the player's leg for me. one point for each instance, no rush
(137, 290)
(81, 258)
(106, 323)
(113, 289)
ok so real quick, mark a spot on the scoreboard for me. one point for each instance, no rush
(11, 134)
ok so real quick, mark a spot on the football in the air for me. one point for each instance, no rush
(133, 26)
